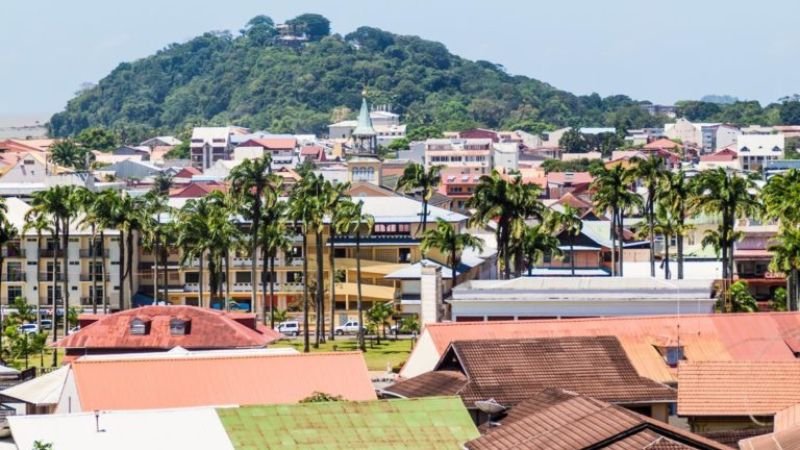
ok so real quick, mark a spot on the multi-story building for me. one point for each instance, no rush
(210, 144)
(458, 185)
(472, 154)
(755, 150)
(33, 267)
(752, 258)
(717, 136)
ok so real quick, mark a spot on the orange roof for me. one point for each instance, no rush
(226, 380)
(276, 143)
(705, 337)
(787, 418)
(726, 154)
(208, 329)
(662, 143)
(737, 388)
(195, 190)
(26, 145)
(188, 172)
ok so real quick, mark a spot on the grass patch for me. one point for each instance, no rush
(389, 352)
(35, 360)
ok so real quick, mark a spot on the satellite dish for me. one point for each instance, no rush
(490, 406)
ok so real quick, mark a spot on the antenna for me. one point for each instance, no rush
(97, 422)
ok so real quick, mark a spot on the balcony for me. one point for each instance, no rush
(13, 252)
(241, 262)
(50, 252)
(51, 277)
(94, 277)
(13, 277)
(89, 253)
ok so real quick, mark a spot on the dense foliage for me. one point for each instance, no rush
(250, 79)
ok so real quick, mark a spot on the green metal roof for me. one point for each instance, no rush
(421, 423)
(364, 121)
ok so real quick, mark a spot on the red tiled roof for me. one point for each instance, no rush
(195, 190)
(570, 421)
(272, 143)
(188, 172)
(662, 143)
(311, 150)
(705, 337)
(737, 388)
(723, 155)
(210, 381)
(209, 329)
(779, 440)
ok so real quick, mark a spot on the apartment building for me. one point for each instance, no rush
(210, 144)
(472, 154)
(755, 150)
(32, 265)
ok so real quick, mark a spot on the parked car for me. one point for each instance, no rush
(289, 328)
(47, 324)
(74, 330)
(351, 327)
(29, 328)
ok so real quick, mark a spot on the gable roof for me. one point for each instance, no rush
(398, 424)
(662, 143)
(149, 383)
(271, 143)
(737, 388)
(195, 190)
(726, 154)
(705, 337)
(510, 371)
(566, 421)
(779, 440)
(209, 329)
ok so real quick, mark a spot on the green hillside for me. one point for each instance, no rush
(249, 78)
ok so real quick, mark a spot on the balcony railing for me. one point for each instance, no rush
(50, 277)
(50, 252)
(12, 252)
(12, 277)
(93, 277)
(88, 253)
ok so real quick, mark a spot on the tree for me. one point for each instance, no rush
(273, 237)
(651, 172)
(155, 236)
(611, 186)
(566, 221)
(353, 220)
(536, 243)
(666, 224)
(379, 316)
(449, 242)
(321, 397)
(40, 223)
(97, 138)
(677, 191)
(740, 299)
(334, 195)
(67, 153)
(7, 233)
(193, 231)
(785, 251)
(416, 179)
(251, 180)
(573, 141)
(779, 300)
(790, 112)
(510, 204)
(315, 26)
(399, 144)
(729, 196)
(260, 30)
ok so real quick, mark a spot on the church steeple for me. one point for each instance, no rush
(364, 135)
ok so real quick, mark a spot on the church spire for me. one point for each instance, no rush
(364, 134)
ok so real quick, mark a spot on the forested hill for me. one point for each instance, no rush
(250, 79)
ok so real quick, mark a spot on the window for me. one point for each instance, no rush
(50, 297)
(672, 354)
(179, 327)
(138, 327)
(405, 255)
(340, 253)
(192, 277)
(242, 277)
(294, 277)
(13, 293)
(96, 295)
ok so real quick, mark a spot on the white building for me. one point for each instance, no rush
(506, 156)
(473, 154)
(755, 150)
(210, 144)
(386, 124)
(563, 297)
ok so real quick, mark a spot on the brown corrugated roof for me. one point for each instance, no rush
(431, 384)
(510, 371)
(114, 384)
(705, 337)
(737, 388)
(572, 421)
(208, 329)
(732, 437)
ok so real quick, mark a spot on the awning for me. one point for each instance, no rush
(43, 390)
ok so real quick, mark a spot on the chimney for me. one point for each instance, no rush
(431, 305)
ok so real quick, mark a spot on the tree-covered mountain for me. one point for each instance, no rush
(253, 79)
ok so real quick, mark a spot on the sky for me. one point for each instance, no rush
(658, 51)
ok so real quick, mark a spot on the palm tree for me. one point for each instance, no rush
(536, 243)
(730, 196)
(651, 172)
(224, 235)
(667, 225)
(510, 203)
(273, 237)
(779, 198)
(250, 180)
(155, 235)
(7, 233)
(101, 215)
(566, 221)
(416, 178)
(353, 220)
(334, 195)
(162, 182)
(449, 242)
(677, 192)
(67, 153)
(612, 193)
(786, 258)
(192, 239)
(40, 223)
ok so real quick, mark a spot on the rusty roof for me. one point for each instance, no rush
(737, 388)
(510, 371)
(705, 337)
(569, 421)
(436, 383)
(207, 329)
(430, 423)
(151, 383)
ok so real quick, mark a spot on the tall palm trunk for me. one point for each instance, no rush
(201, 280)
(56, 272)
(320, 334)
(121, 269)
(38, 271)
(165, 283)
(651, 226)
(129, 268)
(103, 271)
(572, 252)
(272, 290)
(332, 265)
(453, 260)
(667, 273)
(621, 236)
(227, 262)
(254, 266)
(680, 250)
(505, 237)
(359, 303)
(93, 272)
(156, 252)
(65, 280)
(306, 305)
(614, 242)
(8, 301)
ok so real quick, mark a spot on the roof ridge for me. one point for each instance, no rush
(207, 357)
